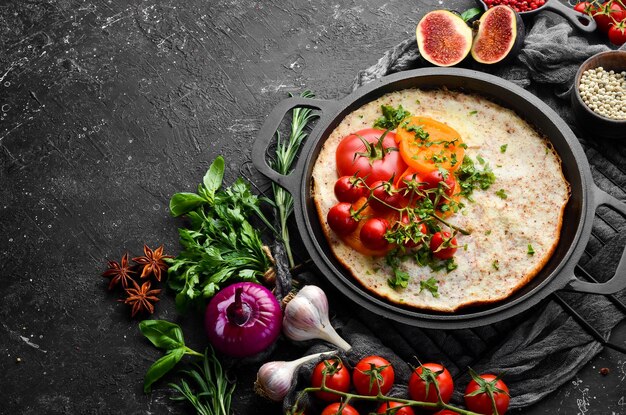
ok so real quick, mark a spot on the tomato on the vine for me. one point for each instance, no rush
(422, 383)
(373, 233)
(584, 7)
(337, 377)
(607, 14)
(479, 390)
(411, 186)
(385, 197)
(403, 410)
(449, 245)
(348, 189)
(410, 243)
(617, 33)
(334, 409)
(340, 219)
(438, 178)
(371, 374)
(371, 154)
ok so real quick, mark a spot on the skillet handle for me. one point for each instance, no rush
(266, 134)
(618, 281)
(581, 21)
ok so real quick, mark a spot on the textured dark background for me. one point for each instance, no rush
(108, 107)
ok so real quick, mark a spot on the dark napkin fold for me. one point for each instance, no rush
(545, 347)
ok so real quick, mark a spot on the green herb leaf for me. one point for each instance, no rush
(473, 112)
(182, 203)
(468, 14)
(162, 334)
(531, 251)
(501, 194)
(471, 178)
(431, 285)
(503, 148)
(496, 265)
(213, 178)
(391, 117)
(161, 367)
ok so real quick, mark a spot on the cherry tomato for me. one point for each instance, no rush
(410, 184)
(410, 243)
(333, 409)
(433, 178)
(373, 164)
(385, 195)
(348, 191)
(607, 14)
(584, 7)
(337, 378)
(404, 410)
(427, 374)
(369, 373)
(617, 33)
(481, 402)
(440, 238)
(427, 144)
(373, 233)
(340, 219)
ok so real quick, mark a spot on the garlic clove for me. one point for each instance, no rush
(306, 318)
(274, 379)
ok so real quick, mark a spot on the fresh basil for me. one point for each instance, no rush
(469, 14)
(161, 367)
(213, 178)
(182, 203)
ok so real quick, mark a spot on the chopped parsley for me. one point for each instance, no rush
(470, 178)
(391, 117)
(488, 232)
(419, 132)
(431, 285)
(463, 145)
(417, 101)
(501, 194)
(480, 159)
(531, 251)
(496, 265)
(503, 148)
(473, 112)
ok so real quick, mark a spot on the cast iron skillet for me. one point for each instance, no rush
(580, 21)
(558, 274)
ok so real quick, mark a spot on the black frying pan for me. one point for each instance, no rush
(558, 273)
(579, 20)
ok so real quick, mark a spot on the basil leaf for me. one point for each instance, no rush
(161, 367)
(468, 14)
(163, 334)
(182, 203)
(213, 178)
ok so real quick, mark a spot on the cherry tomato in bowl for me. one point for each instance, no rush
(478, 391)
(334, 408)
(403, 410)
(371, 374)
(423, 379)
(337, 378)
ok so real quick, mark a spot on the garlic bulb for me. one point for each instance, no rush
(306, 318)
(273, 379)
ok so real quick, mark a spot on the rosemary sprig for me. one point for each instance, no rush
(286, 152)
(214, 391)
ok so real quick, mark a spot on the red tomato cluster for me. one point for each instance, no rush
(374, 374)
(609, 16)
(517, 5)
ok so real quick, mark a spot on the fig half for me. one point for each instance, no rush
(500, 35)
(443, 38)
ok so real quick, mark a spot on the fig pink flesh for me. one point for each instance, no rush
(441, 40)
(496, 35)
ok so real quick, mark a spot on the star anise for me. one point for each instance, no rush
(152, 262)
(119, 272)
(141, 298)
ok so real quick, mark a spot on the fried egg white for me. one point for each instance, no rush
(496, 261)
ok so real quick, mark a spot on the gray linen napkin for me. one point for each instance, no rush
(544, 348)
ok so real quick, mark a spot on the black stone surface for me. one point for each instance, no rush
(108, 107)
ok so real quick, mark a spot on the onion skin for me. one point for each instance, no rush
(246, 331)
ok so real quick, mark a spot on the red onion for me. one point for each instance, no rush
(243, 319)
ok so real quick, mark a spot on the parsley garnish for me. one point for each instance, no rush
(531, 251)
(399, 278)
(391, 117)
(501, 194)
(470, 178)
(473, 112)
(488, 232)
(503, 148)
(430, 285)
(496, 265)
(463, 145)
(419, 132)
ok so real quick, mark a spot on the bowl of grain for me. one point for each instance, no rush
(599, 94)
